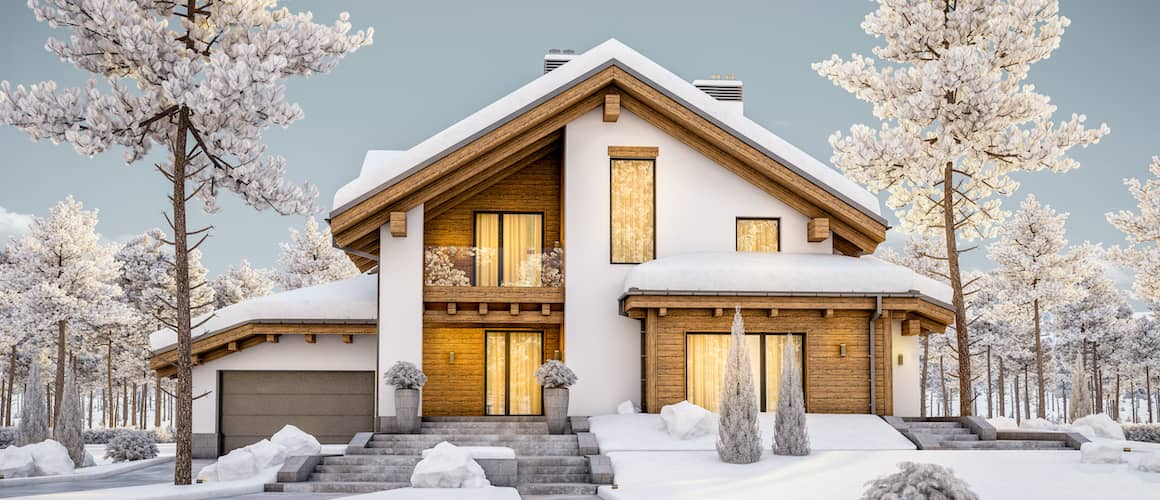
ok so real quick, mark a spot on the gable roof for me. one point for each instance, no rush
(513, 127)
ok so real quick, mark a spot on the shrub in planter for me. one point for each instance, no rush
(556, 377)
(131, 445)
(919, 481)
(407, 379)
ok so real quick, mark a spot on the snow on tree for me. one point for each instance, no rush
(63, 273)
(69, 426)
(1142, 230)
(790, 436)
(241, 283)
(1081, 396)
(957, 119)
(201, 79)
(33, 426)
(738, 435)
(919, 481)
(1034, 270)
(309, 259)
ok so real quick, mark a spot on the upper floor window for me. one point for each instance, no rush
(757, 235)
(508, 249)
(633, 224)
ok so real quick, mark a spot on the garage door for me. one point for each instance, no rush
(332, 406)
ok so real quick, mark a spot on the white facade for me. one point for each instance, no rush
(400, 303)
(907, 392)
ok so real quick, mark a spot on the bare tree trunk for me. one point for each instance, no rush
(91, 409)
(1147, 385)
(182, 473)
(1065, 413)
(1015, 398)
(1132, 389)
(125, 404)
(945, 397)
(157, 403)
(1116, 399)
(109, 384)
(962, 336)
(1002, 390)
(1041, 409)
(922, 376)
(1026, 394)
(1097, 379)
(11, 387)
(990, 411)
(133, 422)
(61, 356)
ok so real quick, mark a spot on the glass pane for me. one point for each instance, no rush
(522, 249)
(757, 235)
(774, 355)
(486, 249)
(632, 211)
(496, 396)
(526, 350)
(706, 358)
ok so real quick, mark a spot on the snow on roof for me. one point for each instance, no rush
(760, 272)
(377, 164)
(581, 67)
(353, 299)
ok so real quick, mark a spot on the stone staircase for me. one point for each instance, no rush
(955, 433)
(546, 464)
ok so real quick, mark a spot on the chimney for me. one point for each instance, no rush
(556, 58)
(726, 89)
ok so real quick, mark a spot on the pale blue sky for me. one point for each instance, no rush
(434, 62)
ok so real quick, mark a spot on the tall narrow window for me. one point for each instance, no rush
(757, 235)
(508, 249)
(633, 211)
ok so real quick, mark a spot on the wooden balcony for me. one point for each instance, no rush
(493, 304)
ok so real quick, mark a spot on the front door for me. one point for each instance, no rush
(512, 360)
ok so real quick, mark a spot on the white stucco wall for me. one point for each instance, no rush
(400, 302)
(906, 376)
(328, 353)
(697, 203)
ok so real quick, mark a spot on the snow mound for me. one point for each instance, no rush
(1150, 462)
(16, 461)
(238, 464)
(1101, 425)
(1100, 453)
(1040, 424)
(267, 453)
(481, 451)
(626, 408)
(208, 474)
(51, 458)
(448, 466)
(1003, 423)
(686, 420)
(296, 442)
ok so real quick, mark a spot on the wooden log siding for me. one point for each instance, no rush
(833, 384)
(458, 389)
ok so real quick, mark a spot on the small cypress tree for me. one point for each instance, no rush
(738, 436)
(33, 426)
(69, 426)
(1081, 397)
(789, 431)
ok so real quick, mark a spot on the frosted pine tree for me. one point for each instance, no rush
(1142, 230)
(738, 435)
(790, 436)
(33, 426)
(1036, 272)
(150, 283)
(70, 424)
(916, 481)
(1081, 395)
(309, 259)
(957, 119)
(201, 79)
(63, 273)
(241, 283)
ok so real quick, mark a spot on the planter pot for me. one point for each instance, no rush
(556, 409)
(407, 411)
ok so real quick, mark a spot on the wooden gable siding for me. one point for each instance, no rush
(458, 389)
(534, 188)
(833, 384)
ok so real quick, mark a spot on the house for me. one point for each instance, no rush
(608, 214)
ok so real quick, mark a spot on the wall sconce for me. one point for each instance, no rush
(899, 360)
(556, 355)
(452, 357)
(842, 350)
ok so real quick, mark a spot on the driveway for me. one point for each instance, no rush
(160, 473)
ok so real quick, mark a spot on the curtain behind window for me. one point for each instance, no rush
(757, 235)
(522, 249)
(486, 249)
(706, 357)
(633, 220)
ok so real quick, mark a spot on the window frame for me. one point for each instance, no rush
(736, 232)
(611, 167)
(761, 384)
(499, 238)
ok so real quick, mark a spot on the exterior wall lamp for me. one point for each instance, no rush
(842, 350)
(452, 357)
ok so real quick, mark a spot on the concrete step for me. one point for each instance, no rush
(959, 437)
(365, 469)
(553, 478)
(502, 428)
(1005, 444)
(529, 449)
(552, 469)
(372, 460)
(556, 489)
(372, 477)
(455, 438)
(561, 497)
(550, 461)
(943, 425)
(943, 431)
(344, 487)
(502, 418)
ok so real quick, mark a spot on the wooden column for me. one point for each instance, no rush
(651, 321)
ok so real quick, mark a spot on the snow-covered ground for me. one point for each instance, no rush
(646, 432)
(490, 493)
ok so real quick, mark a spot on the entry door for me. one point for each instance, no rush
(512, 359)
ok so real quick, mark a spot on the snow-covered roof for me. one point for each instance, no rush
(349, 300)
(611, 52)
(780, 273)
(377, 164)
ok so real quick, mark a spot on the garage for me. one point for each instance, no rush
(331, 405)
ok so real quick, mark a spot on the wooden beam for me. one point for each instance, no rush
(196, 359)
(472, 319)
(634, 152)
(911, 327)
(827, 313)
(545, 309)
(483, 308)
(398, 224)
(348, 339)
(664, 311)
(818, 229)
(477, 183)
(515, 309)
(718, 312)
(451, 307)
(232, 347)
(611, 107)
(773, 312)
(272, 338)
(309, 337)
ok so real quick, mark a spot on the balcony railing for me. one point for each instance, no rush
(478, 266)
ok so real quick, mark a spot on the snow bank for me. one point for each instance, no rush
(779, 272)
(1040, 424)
(488, 493)
(296, 441)
(481, 451)
(167, 491)
(686, 420)
(448, 466)
(353, 299)
(626, 408)
(1003, 423)
(1149, 463)
(390, 167)
(46, 458)
(16, 461)
(1101, 426)
(249, 461)
(1100, 453)
(646, 432)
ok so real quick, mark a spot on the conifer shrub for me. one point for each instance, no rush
(131, 445)
(915, 480)
(554, 375)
